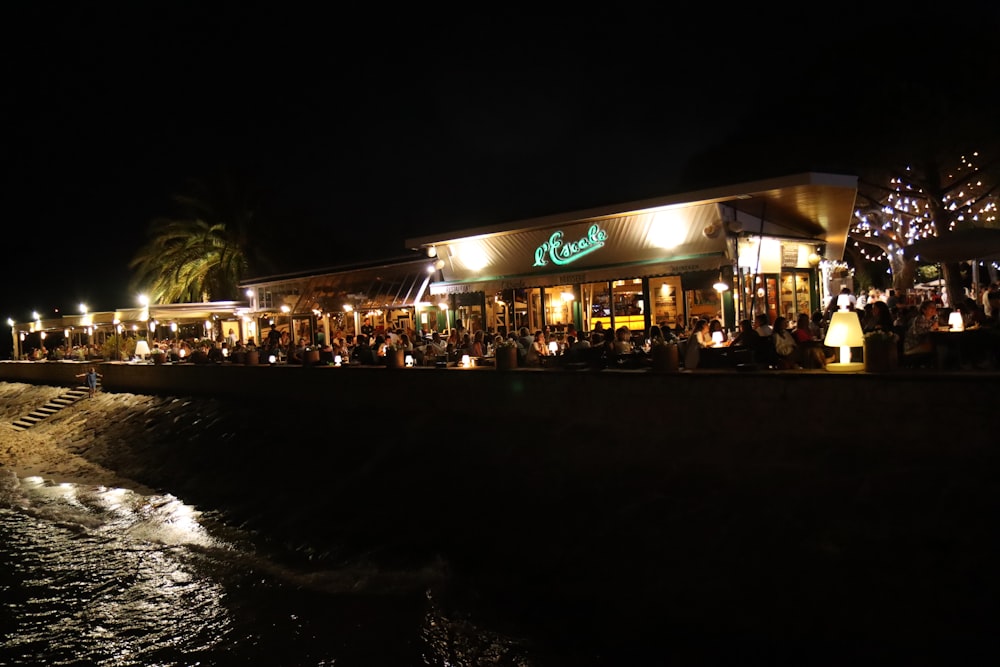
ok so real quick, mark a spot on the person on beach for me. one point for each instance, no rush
(91, 379)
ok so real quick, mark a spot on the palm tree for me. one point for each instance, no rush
(202, 253)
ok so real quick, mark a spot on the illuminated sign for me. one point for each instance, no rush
(562, 253)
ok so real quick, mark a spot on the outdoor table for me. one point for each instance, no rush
(964, 349)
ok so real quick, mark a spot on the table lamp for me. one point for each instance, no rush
(718, 338)
(845, 333)
(955, 321)
(141, 349)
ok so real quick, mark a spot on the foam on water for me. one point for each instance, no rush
(106, 576)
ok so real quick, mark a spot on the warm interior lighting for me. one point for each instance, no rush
(845, 333)
(466, 361)
(718, 337)
(408, 360)
(337, 360)
(554, 347)
(955, 321)
(141, 349)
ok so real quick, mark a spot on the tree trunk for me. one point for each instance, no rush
(951, 273)
(904, 272)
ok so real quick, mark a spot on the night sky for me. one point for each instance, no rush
(357, 131)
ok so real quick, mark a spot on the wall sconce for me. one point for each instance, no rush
(845, 333)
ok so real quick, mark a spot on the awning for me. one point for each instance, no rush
(675, 266)
(382, 287)
(810, 205)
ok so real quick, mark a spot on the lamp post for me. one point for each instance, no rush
(13, 335)
(291, 335)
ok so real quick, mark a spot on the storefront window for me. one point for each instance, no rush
(663, 295)
(469, 311)
(559, 305)
(629, 304)
(596, 305)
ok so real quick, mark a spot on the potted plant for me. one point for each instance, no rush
(157, 355)
(506, 354)
(664, 356)
(881, 351)
(310, 356)
(395, 355)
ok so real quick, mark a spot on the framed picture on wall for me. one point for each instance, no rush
(706, 297)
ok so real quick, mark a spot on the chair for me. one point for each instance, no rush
(917, 360)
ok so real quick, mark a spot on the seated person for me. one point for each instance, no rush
(917, 340)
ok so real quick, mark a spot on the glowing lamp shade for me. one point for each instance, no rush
(554, 347)
(408, 360)
(141, 348)
(718, 337)
(955, 321)
(466, 361)
(845, 333)
(337, 359)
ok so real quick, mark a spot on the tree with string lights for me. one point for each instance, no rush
(924, 199)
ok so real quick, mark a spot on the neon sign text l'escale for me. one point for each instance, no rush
(565, 253)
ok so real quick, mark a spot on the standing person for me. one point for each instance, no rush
(91, 379)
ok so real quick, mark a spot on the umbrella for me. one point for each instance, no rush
(957, 246)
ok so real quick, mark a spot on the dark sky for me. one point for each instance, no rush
(360, 130)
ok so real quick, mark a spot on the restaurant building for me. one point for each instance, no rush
(383, 294)
(773, 246)
(728, 252)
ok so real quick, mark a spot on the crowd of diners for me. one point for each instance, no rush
(703, 342)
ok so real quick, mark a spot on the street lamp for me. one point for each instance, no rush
(291, 336)
(13, 336)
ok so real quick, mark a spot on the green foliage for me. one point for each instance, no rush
(126, 347)
(202, 252)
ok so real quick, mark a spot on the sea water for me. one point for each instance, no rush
(105, 576)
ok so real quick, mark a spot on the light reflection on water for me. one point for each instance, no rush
(92, 575)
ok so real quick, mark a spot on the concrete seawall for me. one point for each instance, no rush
(703, 403)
